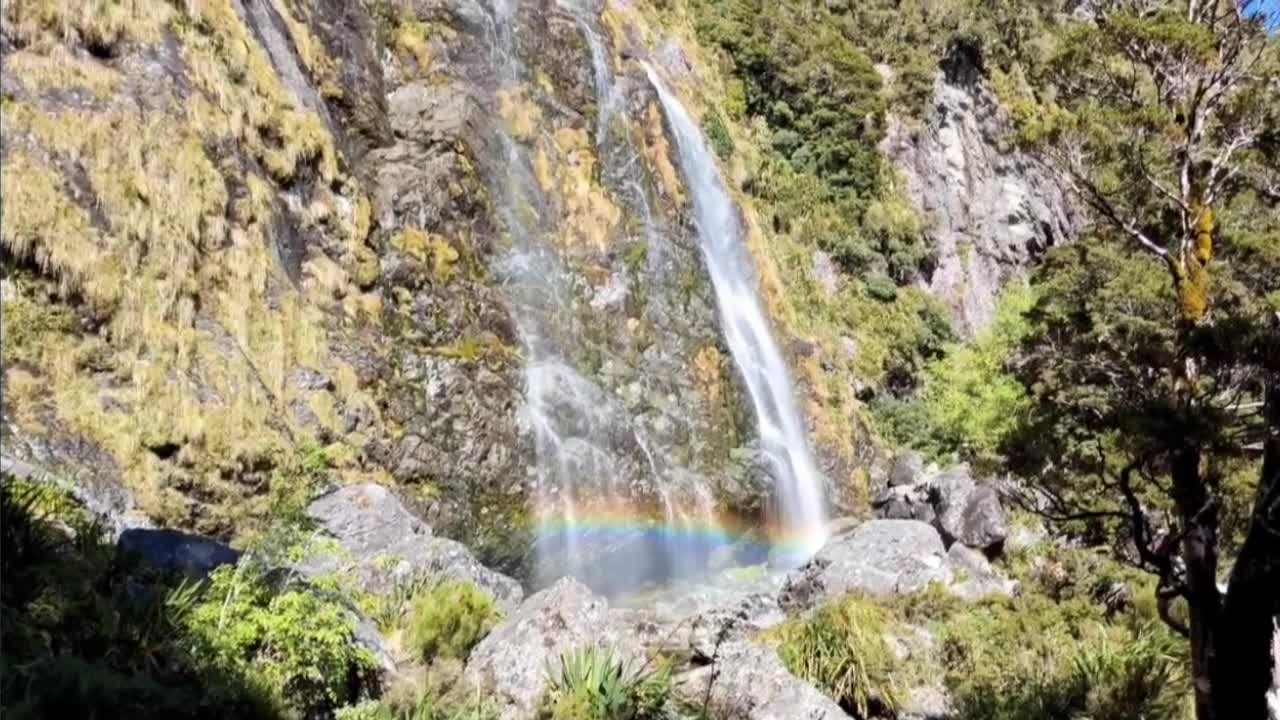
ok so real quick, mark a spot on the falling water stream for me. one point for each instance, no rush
(798, 485)
(596, 521)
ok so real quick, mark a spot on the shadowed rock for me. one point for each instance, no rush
(381, 543)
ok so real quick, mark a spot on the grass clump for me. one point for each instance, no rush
(591, 683)
(841, 648)
(448, 619)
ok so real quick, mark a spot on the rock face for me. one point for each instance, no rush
(176, 551)
(510, 665)
(381, 543)
(992, 210)
(881, 557)
(749, 682)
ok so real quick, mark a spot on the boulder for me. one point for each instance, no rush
(749, 682)
(907, 469)
(968, 512)
(975, 579)
(881, 557)
(904, 502)
(175, 551)
(382, 544)
(510, 665)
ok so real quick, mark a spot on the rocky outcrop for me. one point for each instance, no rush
(964, 510)
(511, 664)
(989, 209)
(749, 682)
(881, 557)
(381, 544)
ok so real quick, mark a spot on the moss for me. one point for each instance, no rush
(431, 249)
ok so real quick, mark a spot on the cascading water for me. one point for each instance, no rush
(615, 507)
(799, 486)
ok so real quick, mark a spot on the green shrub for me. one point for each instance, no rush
(295, 645)
(87, 635)
(450, 618)
(717, 134)
(1035, 659)
(593, 684)
(842, 649)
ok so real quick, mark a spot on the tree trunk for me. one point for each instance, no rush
(1242, 659)
(1200, 555)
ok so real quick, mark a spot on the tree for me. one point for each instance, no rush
(1154, 362)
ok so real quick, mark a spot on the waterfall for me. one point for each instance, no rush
(615, 506)
(799, 486)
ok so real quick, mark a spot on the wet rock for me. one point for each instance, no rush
(749, 682)
(174, 551)
(510, 664)
(882, 557)
(968, 512)
(382, 544)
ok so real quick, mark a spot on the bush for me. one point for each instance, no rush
(85, 635)
(593, 684)
(295, 645)
(1036, 659)
(842, 649)
(448, 619)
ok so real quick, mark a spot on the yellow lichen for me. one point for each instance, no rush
(708, 373)
(412, 39)
(521, 115)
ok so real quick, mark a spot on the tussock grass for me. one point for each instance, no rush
(168, 239)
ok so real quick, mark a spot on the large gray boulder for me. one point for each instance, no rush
(382, 544)
(882, 557)
(968, 512)
(749, 682)
(510, 665)
(174, 551)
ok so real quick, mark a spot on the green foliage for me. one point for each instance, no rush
(817, 90)
(84, 636)
(970, 401)
(593, 684)
(1033, 658)
(448, 619)
(294, 644)
(717, 133)
(842, 649)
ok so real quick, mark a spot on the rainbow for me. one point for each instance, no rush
(601, 520)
